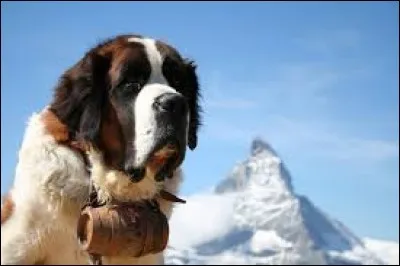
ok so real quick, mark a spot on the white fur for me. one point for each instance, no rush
(114, 184)
(50, 187)
(155, 58)
(145, 121)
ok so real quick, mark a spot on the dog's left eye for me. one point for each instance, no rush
(130, 87)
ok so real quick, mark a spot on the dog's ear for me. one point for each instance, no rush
(194, 98)
(81, 95)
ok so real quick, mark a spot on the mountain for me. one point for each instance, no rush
(254, 216)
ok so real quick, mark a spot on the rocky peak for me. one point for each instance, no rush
(258, 146)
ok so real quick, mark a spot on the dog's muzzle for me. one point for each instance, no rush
(171, 111)
(161, 132)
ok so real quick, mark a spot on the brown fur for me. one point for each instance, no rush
(105, 63)
(55, 127)
(111, 138)
(7, 208)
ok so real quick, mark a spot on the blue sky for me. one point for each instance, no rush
(319, 81)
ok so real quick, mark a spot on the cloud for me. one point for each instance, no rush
(320, 139)
(388, 251)
(191, 224)
(308, 138)
(290, 86)
(217, 97)
(365, 149)
(301, 85)
(223, 131)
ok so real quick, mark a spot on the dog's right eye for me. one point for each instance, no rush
(131, 87)
(128, 89)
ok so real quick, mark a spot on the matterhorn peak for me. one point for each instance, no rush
(258, 145)
(264, 169)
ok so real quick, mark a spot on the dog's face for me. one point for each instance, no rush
(136, 100)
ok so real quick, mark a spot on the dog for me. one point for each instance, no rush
(129, 99)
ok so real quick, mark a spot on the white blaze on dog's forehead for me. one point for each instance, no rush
(155, 58)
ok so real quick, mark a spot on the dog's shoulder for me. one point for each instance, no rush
(50, 186)
(47, 167)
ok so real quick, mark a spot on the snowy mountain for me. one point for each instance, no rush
(255, 217)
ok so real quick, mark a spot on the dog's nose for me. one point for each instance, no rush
(171, 102)
(135, 174)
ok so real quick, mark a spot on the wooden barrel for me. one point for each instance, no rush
(123, 230)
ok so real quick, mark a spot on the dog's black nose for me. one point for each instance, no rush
(135, 174)
(171, 102)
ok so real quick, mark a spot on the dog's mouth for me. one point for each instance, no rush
(160, 162)
(163, 160)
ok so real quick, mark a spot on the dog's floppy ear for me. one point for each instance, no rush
(194, 98)
(81, 95)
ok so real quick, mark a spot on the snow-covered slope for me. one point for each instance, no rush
(255, 217)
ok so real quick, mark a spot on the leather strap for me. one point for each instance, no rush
(170, 197)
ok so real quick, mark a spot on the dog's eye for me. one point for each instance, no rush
(130, 87)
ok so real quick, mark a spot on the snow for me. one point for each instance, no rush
(268, 240)
(388, 251)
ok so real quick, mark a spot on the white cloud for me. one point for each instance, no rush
(388, 251)
(216, 95)
(300, 88)
(202, 218)
(320, 139)
(223, 131)
(311, 138)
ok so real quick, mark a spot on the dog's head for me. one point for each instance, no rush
(136, 100)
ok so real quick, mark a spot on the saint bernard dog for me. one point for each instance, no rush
(129, 99)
